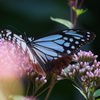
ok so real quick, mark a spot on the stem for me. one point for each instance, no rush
(44, 90)
(75, 21)
(75, 83)
(36, 89)
(28, 88)
(81, 4)
(41, 92)
(75, 16)
(48, 94)
(75, 5)
(71, 14)
(52, 85)
(33, 90)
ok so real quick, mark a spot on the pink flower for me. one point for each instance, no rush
(13, 61)
(84, 56)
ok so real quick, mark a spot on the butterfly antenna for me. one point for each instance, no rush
(25, 34)
(27, 37)
(16, 29)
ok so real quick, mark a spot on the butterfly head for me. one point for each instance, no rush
(27, 40)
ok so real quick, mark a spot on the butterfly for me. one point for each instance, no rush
(52, 52)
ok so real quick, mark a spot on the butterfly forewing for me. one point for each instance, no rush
(10, 36)
(66, 41)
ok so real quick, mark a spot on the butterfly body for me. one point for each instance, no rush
(54, 51)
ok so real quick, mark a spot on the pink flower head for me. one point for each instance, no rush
(84, 56)
(13, 60)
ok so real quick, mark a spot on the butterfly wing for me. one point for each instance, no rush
(54, 51)
(8, 35)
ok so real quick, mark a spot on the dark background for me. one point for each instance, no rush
(33, 17)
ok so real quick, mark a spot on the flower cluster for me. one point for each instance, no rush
(86, 67)
(85, 73)
(12, 60)
(41, 79)
(84, 56)
(15, 63)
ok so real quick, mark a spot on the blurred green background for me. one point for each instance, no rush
(33, 17)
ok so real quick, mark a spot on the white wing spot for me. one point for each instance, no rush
(65, 38)
(71, 40)
(2, 31)
(14, 38)
(82, 40)
(88, 35)
(68, 51)
(67, 44)
(87, 38)
(55, 58)
(88, 32)
(76, 42)
(9, 38)
(3, 34)
(72, 47)
(8, 33)
(59, 56)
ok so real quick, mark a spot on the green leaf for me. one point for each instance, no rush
(79, 11)
(80, 91)
(16, 97)
(91, 89)
(98, 99)
(62, 21)
(96, 93)
(90, 95)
